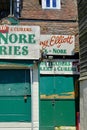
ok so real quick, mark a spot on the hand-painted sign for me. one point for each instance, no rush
(60, 67)
(57, 44)
(19, 42)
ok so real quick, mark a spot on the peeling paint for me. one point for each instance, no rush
(67, 95)
(65, 128)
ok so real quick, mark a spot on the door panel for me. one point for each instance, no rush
(64, 112)
(57, 100)
(46, 87)
(56, 87)
(15, 95)
(15, 109)
(46, 113)
(14, 82)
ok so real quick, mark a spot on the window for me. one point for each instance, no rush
(10, 7)
(51, 4)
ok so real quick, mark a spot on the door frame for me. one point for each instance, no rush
(34, 124)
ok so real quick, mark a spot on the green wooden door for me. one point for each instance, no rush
(57, 103)
(15, 96)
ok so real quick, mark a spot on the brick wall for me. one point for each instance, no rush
(57, 28)
(33, 10)
(59, 21)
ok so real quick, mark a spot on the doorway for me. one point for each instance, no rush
(15, 95)
(57, 101)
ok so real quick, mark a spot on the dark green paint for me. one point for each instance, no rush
(50, 85)
(65, 113)
(46, 113)
(14, 82)
(17, 62)
(14, 86)
(15, 109)
(61, 113)
(17, 38)
(57, 112)
(13, 20)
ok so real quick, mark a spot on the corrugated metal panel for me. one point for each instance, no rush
(83, 36)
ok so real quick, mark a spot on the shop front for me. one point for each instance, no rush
(58, 83)
(19, 93)
(57, 95)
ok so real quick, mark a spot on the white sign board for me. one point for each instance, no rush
(68, 67)
(19, 42)
(57, 44)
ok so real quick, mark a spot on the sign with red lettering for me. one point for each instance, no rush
(19, 42)
(57, 44)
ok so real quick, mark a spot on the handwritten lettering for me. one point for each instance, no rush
(44, 44)
(57, 40)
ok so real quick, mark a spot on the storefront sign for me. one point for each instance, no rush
(19, 42)
(60, 67)
(57, 44)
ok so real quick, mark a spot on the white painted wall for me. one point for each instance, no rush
(15, 126)
(35, 100)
